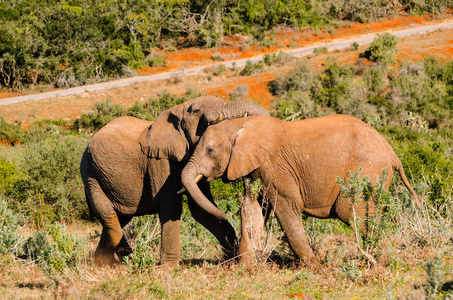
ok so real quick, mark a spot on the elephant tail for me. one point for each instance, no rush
(400, 169)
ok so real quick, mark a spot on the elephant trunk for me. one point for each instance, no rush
(188, 178)
(234, 110)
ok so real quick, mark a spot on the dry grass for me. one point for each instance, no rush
(344, 274)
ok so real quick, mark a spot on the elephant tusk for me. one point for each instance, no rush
(245, 115)
(219, 119)
(183, 190)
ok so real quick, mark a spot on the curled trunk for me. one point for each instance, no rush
(188, 180)
(234, 110)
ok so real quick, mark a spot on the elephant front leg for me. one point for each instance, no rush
(170, 219)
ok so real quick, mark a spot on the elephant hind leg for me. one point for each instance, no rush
(111, 239)
(289, 215)
(103, 209)
(123, 248)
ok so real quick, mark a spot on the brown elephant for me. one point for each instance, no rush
(133, 167)
(298, 163)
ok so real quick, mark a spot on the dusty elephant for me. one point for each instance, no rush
(298, 163)
(133, 167)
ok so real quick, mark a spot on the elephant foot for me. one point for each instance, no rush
(104, 258)
(311, 264)
(123, 249)
(168, 264)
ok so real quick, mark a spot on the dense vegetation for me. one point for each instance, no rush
(74, 42)
(410, 103)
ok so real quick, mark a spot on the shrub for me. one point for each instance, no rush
(100, 115)
(435, 277)
(301, 78)
(8, 174)
(251, 68)
(280, 58)
(10, 133)
(383, 49)
(51, 178)
(55, 251)
(240, 93)
(366, 196)
(9, 225)
(154, 106)
(143, 235)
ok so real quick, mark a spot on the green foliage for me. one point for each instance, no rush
(383, 49)
(277, 59)
(8, 174)
(351, 271)
(103, 112)
(50, 184)
(10, 222)
(155, 60)
(143, 235)
(369, 199)
(220, 70)
(251, 68)
(240, 93)
(70, 43)
(435, 277)
(10, 133)
(55, 251)
(321, 50)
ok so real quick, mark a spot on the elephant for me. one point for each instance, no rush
(132, 167)
(297, 162)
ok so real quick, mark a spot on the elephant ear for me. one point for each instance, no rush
(165, 138)
(257, 141)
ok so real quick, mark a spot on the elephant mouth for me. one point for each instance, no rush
(197, 179)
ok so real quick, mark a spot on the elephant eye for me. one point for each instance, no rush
(194, 109)
(209, 151)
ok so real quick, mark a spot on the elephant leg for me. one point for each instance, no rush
(123, 249)
(289, 215)
(170, 220)
(103, 209)
(222, 230)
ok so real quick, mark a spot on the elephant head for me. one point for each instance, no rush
(178, 129)
(231, 150)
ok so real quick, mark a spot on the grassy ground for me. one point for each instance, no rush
(401, 271)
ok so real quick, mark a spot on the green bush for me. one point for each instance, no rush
(383, 49)
(55, 251)
(103, 112)
(143, 235)
(365, 194)
(10, 222)
(50, 178)
(154, 106)
(8, 174)
(251, 68)
(10, 133)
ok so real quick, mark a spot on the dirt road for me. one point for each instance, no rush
(341, 44)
